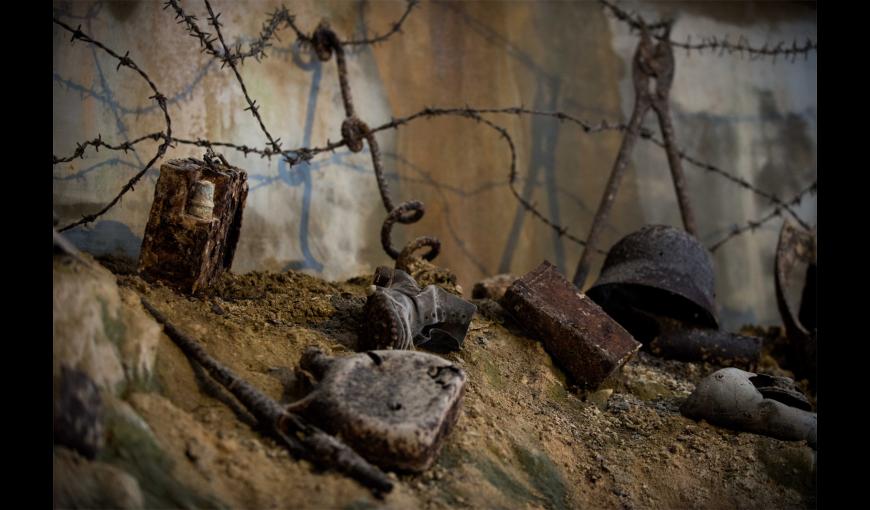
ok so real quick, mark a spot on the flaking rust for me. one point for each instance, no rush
(795, 274)
(195, 222)
(583, 340)
(394, 407)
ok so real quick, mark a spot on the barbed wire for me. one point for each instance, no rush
(476, 114)
(713, 43)
(753, 225)
(257, 48)
(207, 42)
(324, 42)
(301, 154)
(282, 18)
(123, 61)
(396, 28)
(127, 145)
(604, 125)
(743, 183)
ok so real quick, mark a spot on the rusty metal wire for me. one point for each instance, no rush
(476, 115)
(743, 183)
(753, 225)
(324, 42)
(282, 17)
(257, 48)
(207, 42)
(714, 43)
(604, 125)
(127, 145)
(123, 61)
(396, 28)
(302, 154)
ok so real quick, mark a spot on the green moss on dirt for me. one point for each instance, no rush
(132, 448)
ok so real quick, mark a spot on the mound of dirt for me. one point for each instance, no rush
(525, 438)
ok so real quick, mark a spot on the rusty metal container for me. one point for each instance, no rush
(582, 339)
(660, 271)
(194, 226)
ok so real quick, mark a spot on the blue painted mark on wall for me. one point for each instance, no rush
(107, 237)
(102, 236)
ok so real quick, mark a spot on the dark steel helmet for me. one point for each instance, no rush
(660, 270)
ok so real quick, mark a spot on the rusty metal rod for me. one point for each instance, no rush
(663, 112)
(300, 437)
(717, 347)
(610, 191)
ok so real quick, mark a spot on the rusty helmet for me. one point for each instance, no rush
(660, 271)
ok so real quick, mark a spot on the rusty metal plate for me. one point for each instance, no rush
(661, 270)
(794, 272)
(394, 407)
(582, 339)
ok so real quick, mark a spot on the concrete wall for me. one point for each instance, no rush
(754, 118)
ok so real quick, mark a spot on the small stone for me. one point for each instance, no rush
(193, 450)
(493, 287)
(600, 398)
(229, 445)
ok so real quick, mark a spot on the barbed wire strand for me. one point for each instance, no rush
(324, 41)
(295, 156)
(127, 145)
(305, 153)
(395, 28)
(714, 43)
(207, 43)
(647, 134)
(755, 224)
(123, 61)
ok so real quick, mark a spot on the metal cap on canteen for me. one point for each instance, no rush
(661, 270)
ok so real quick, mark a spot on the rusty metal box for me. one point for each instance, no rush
(194, 226)
(582, 339)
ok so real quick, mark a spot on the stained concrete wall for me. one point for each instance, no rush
(753, 118)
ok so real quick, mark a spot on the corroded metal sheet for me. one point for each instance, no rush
(393, 407)
(794, 273)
